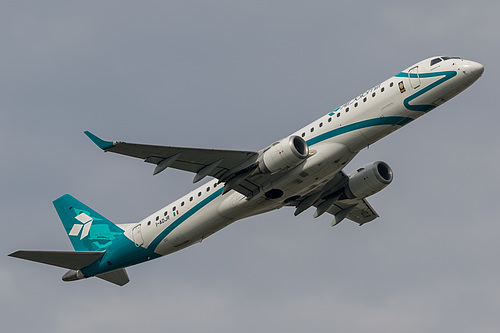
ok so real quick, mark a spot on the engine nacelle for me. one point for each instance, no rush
(284, 154)
(368, 180)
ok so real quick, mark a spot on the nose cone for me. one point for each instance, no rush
(472, 69)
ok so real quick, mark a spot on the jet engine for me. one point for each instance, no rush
(368, 180)
(284, 154)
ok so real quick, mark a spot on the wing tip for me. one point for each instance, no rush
(104, 145)
(14, 254)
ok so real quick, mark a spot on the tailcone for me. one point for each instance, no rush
(73, 275)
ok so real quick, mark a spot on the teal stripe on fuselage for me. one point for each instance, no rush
(401, 121)
(425, 108)
(123, 252)
(184, 217)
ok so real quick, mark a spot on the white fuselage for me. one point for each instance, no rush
(333, 140)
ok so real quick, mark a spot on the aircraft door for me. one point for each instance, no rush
(137, 235)
(414, 77)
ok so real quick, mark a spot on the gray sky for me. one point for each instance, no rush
(238, 75)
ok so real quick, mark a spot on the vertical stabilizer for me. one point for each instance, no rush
(86, 229)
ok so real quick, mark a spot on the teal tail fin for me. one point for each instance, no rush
(86, 229)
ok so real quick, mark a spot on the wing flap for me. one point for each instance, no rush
(362, 213)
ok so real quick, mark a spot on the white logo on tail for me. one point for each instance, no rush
(77, 227)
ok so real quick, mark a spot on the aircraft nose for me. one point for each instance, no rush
(472, 69)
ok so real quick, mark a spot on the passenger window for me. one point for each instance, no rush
(157, 218)
(330, 119)
(165, 214)
(199, 194)
(173, 209)
(356, 104)
(191, 199)
(304, 134)
(382, 90)
(320, 124)
(373, 95)
(364, 99)
(338, 114)
(149, 222)
(391, 84)
(312, 129)
(208, 189)
(182, 204)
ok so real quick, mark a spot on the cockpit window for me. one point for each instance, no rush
(435, 61)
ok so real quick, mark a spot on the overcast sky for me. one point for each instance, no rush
(239, 75)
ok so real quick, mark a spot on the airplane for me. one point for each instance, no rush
(302, 170)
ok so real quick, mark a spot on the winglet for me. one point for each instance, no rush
(104, 145)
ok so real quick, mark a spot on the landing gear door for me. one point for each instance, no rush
(414, 77)
(137, 235)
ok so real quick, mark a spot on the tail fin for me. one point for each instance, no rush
(86, 229)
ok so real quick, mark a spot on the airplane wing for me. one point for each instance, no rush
(328, 200)
(224, 165)
(235, 169)
(361, 213)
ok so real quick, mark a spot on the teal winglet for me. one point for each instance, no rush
(104, 145)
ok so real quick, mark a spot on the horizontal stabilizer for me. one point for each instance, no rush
(119, 277)
(65, 259)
